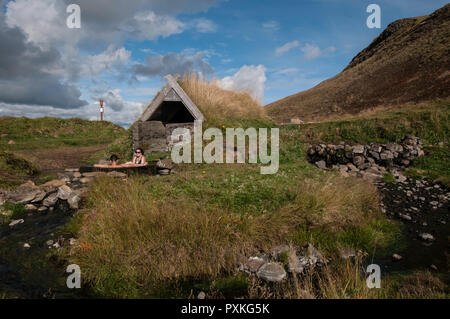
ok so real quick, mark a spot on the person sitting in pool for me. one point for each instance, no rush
(138, 158)
(114, 162)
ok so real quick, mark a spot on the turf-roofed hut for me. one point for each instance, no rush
(170, 109)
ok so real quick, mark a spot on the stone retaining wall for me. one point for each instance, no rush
(372, 159)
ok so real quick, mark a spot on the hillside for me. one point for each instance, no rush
(22, 133)
(29, 146)
(408, 62)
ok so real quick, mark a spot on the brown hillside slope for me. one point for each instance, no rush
(408, 62)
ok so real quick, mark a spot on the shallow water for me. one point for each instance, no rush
(33, 272)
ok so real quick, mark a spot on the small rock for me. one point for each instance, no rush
(164, 172)
(295, 266)
(201, 295)
(42, 209)
(49, 242)
(405, 217)
(26, 245)
(16, 222)
(86, 180)
(272, 272)
(321, 164)
(73, 201)
(30, 208)
(358, 149)
(397, 257)
(72, 241)
(254, 263)
(426, 237)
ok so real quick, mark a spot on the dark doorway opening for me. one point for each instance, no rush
(172, 112)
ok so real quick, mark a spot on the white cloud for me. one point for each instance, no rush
(249, 78)
(112, 58)
(312, 51)
(150, 26)
(44, 21)
(286, 47)
(205, 26)
(172, 63)
(271, 25)
(286, 71)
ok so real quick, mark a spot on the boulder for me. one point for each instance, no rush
(50, 200)
(358, 149)
(52, 185)
(321, 164)
(73, 200)
(23, 194)
(358, 160)
(272, 272)
(253, 263)
(64, 192)
(165, 164)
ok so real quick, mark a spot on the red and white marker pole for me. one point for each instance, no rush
(101, 110)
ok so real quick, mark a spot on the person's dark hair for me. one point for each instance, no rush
(139, 149)
(113, 158)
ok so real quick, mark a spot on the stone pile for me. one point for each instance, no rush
(63, 192)
(368, 161)
(283, 260)
(165, 167)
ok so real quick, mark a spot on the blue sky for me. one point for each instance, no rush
(270, 48)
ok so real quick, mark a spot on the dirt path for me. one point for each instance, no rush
(58, 159)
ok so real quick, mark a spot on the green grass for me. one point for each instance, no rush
(212, 214)
(15, 170)
(388, 178)
(431, 122)
(435, 165)
(48, 132)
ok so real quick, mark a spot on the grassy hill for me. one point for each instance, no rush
(28, 144)
(49, 132)
(408, 62)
